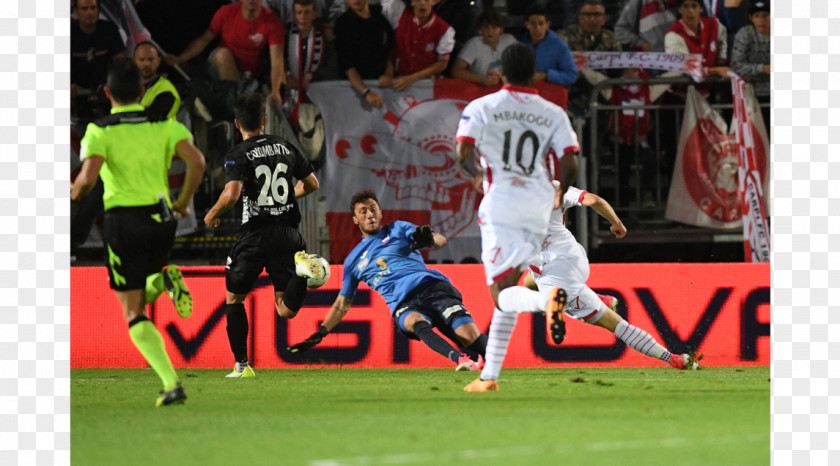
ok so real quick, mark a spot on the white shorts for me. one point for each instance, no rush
(504, 249)
(569, 269)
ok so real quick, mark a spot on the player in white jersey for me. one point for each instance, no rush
(519, 137)
(564, 264)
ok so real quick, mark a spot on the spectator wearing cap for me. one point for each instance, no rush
(751, 53)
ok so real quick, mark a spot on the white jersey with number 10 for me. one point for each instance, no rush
(519, 137)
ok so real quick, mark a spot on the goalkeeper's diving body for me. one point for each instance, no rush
(420, 299)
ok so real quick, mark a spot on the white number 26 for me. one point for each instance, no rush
(274, 184)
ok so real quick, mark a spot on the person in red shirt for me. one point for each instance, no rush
(422, 41)
(244, 29)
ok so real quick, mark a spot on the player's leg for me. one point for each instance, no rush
(171, 280)
(149, 342)
(289, 286)
(137, 244)
(245, 263)
(636, 338)
(498, 338)
(443, 304)
(419, 325)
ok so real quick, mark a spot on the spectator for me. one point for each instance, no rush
(286, 11)
(554, 60)
(703, 35)
(147, 58)
(310, 54)
(422, 41)
(364, 40)
(480, 59)
(643, 23)
(630, 128)
(589, 35)
(459, 15)
(731, 13)
(94, 45)
(699, 34)
(751, 54)
(244, 29)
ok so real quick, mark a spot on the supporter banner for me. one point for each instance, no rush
(686, 63)
(405, 152)
(704, 185)
(756, 234)
(722, 310)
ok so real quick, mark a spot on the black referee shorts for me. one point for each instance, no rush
(262, 245)
(137, 244)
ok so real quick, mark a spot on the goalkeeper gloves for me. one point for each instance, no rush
(422, 237)
(310, 342)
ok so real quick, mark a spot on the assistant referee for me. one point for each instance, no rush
(131, 151)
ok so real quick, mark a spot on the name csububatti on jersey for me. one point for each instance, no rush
(523, 116)
(267, 150)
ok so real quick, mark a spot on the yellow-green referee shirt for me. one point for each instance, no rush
(137, 154)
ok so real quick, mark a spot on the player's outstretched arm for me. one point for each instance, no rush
(306, 186)
(337, 312)
(228, 198)
(87, 177)
(189, 153)
(605, 210)
(568, 171)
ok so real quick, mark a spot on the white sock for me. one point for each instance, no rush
(501, 327)
(521, 299)
(240, 366)
(641, 341)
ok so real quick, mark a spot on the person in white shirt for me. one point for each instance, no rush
(480, 59)
(524, 142)
(564, 264)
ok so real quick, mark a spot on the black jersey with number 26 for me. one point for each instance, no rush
(267, 165)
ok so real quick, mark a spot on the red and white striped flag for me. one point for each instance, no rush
(754, 214)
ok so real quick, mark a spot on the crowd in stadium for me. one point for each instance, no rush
(205, 53)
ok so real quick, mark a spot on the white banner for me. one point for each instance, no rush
(756, 233)
(689, 64)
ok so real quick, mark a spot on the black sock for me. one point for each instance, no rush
(479, 346)
(237, 331)
(295, 293)
(423, 331)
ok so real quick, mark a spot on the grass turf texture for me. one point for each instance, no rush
(719, 415)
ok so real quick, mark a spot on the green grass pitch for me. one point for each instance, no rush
(339, 416)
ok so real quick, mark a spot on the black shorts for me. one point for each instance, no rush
(137, 245)
(439, 302)
(259, 246)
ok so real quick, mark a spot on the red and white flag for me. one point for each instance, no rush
(405, 152)
(750, 187)
(704, 186)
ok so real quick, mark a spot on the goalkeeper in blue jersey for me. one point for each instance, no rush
(387, 259)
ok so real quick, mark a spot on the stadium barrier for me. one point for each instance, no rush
(722, 310)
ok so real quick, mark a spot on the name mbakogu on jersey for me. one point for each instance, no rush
(268, 167)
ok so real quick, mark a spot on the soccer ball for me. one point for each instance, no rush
(321, 271)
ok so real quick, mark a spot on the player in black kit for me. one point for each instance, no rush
(261, 169)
